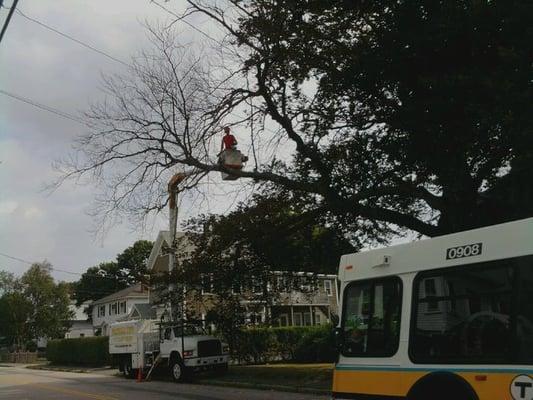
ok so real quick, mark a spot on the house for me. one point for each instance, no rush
(80, 326)
(299, 298)
(116, 306)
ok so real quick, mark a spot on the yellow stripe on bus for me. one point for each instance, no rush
(487, 385)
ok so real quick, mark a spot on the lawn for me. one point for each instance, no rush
(300, 377)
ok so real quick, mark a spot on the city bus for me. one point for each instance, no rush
(448, 318)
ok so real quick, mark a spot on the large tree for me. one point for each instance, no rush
(33, 306)
(109, 277)
(402, 114)
(49, 302)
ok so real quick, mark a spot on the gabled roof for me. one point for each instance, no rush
(143, 311)
(136, 291)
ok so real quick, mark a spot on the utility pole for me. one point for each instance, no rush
(9, 15)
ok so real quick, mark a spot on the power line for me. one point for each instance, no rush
(9, 15)
(42, 106)
(103, 53)
(56, 269)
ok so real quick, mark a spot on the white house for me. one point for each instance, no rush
(313, 303)
(116, 306)
(80, 324)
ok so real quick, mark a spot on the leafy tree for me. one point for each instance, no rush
(403, 115)
(49, 302)
(7, 282)
(133, 260)
(33, 306)
(99, 281)
(15, 313)
(109, 277)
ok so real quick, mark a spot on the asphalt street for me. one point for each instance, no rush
(19, 383)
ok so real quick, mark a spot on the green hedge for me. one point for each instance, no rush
(93, 351)
(295, 344)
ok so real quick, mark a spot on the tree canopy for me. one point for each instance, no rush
(403, 115)
(34, 307)
(108, 277)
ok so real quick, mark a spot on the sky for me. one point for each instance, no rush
(47, 68)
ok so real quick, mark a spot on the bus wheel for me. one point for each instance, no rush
(442, 386)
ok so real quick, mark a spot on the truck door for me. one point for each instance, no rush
(167, 342)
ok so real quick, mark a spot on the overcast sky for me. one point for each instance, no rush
(49, 69)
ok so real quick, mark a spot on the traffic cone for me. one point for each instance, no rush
(139, 375)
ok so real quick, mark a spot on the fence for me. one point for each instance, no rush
(19, 357)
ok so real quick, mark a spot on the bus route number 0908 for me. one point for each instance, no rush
(468, 250)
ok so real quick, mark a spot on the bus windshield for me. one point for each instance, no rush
(371, 318)
(474, 314)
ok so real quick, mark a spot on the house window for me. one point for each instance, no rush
(114, 309)
(123, 307)
(257, 286)
(101, 311)
(207, 283)
(317, 319)
(282, 284)
(109, 309)
(236, 288)
(327, 288)
(307, 319)
(82, 334)
(283, 320)
(297, 319)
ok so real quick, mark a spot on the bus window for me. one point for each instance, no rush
(371, 318)
(476, 314)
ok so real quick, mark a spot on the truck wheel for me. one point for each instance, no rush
(177, 370)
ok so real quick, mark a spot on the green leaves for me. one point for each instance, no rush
(34, 307)
(109, 277)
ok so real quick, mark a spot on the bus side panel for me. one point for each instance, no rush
(383, 383)
(487, 385)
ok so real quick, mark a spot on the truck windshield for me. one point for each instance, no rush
(188, 330)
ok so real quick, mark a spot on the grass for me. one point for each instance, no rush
(299, 377)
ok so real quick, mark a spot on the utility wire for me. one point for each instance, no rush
(103, 53)
(9, 15)
(42, 106)
(56, 269)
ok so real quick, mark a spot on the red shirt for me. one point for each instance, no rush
(229, 141)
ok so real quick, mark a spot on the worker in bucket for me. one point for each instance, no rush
(228, 141)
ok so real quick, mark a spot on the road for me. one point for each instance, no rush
(19, 383)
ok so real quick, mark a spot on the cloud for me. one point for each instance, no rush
(8, 207)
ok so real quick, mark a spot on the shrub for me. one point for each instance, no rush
(93, 351)
(258, 345)
(297, 344)
(316, 345)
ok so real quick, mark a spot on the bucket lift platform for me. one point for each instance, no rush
(231, 159)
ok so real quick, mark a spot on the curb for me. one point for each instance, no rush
(65, 369)
(263, 386)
